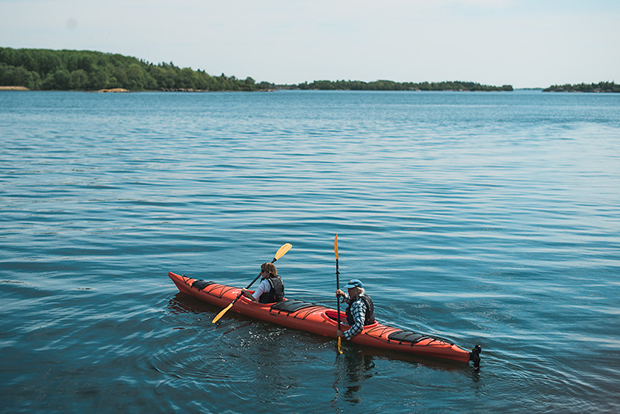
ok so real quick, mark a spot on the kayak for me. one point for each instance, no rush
(321, 320)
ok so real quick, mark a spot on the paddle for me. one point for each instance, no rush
(338, 287)
(281, 252)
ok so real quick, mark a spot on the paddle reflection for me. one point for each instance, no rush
(353, 368)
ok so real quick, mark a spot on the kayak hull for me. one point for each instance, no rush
(320, 320)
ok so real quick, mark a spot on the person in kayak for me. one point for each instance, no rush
(271, 288)
(361, 310)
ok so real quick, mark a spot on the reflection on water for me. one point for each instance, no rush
(183, 303)
(352, 369)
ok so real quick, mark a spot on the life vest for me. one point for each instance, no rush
(276, 293)
(370, 311)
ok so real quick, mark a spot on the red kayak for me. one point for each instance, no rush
(321, 320)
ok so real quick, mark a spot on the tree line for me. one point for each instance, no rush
(43, 69)
(387, 85)
(584, 87)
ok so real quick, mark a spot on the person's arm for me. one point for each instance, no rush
(262, 288)
(358, 311)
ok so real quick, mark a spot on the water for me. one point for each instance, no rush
(486, 218)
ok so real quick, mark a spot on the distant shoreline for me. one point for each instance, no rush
(91, 71)
(126, 91)
(288, 88)
(121, 90)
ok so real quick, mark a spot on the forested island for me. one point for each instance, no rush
(42, 69)
(584, 87)
(387, 85)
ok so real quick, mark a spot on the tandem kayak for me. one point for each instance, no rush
(321, 320)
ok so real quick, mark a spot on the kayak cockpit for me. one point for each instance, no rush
(333, 315)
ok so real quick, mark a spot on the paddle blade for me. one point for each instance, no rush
(219, 315)
(282, 251)
(336, 246)
(340, 345)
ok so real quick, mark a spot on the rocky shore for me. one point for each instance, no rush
(13, 88)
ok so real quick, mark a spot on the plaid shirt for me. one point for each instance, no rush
(358, 311)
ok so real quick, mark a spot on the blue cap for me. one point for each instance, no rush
(353, 283)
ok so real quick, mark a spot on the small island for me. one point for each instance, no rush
(601, 87)
(387, 85)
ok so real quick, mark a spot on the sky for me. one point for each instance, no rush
(523, 43)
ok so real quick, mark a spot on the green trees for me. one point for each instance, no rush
(18, 76)
(387, 85)
(583, 87)
(86, 70)
(59, 79)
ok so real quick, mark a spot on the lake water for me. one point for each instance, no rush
(485, 218)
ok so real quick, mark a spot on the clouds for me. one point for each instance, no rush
(494, 42)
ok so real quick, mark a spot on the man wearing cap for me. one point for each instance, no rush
(361, 310)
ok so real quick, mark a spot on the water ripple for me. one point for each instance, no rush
(484, 218)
